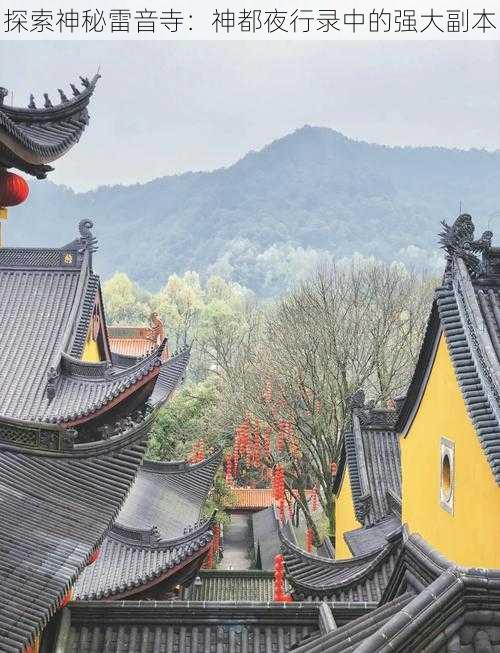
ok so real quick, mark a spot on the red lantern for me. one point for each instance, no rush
(13, 189)
(279, 580)
(94, 556)
(66, 599)
(229, 469)
(314, 499)
(267, 441)
(209, 562)
(282, 511)
(309, 540)
(267, 395)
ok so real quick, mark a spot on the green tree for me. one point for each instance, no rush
(125, 302)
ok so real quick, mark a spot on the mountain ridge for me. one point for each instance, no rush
(310, 194)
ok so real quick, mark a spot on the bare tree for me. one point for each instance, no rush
(349, 326)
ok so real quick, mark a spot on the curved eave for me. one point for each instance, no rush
(134, 433)
(36, 152)
(136, 565)
(32, 138)
(61, 111)
(112, 401)
(119, 386)
(326, 576)
(171, 376)
(76, 500)
(209, 464)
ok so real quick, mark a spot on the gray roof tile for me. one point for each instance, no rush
(49, 295)
(54, 510)
(225, 585)
(156, 530)
(361, 578)
(466, 309)
(32, 138)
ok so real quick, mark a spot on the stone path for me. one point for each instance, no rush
(236, 543)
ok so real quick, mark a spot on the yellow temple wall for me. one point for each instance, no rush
(91, 351)
(471, 535)
(345, 518)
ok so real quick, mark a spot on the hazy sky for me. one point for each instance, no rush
(163, 108)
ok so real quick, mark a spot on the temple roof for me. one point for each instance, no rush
(60, 494)
(191, 627)
(466, 309)
(347, 638)
(51, 294)
(266, 539)
(369, 539)
(249, 498)
(31, 138)
(373, 459)
(54, 509)
(361, 578)
(430, 604)
(131, 342)
(225, 585)
(157, 531)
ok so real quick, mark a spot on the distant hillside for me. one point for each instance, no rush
(275, 212)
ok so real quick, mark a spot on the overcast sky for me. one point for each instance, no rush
(164, 108)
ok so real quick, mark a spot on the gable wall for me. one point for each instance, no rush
(471, 535)
(345, 518)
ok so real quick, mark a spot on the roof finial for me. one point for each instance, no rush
(87, 237)
(3, 94)
(32, 104)
(458, 241)
(63, 96)
(48, 103)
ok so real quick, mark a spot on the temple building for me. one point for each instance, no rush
(74, 418)
(138, 341)
(368, 516)
(443, 593)
(160, 537)
(416, 565)
(72, 432)
(32, 138)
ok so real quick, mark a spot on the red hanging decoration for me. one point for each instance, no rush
(229, 469)
(280, 437)
(267, 441)
(334, 468)
(200, 453)
(197, 452)
(210, 557)
(256, 445)
(281, 508)
(235, 463)
(279, 577)
(279, 482)
(267, 394)
(309, 540)
(94, 556)
(314, 499)
(14, 189)
(66, 598)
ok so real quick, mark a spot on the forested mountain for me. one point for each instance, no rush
(274, 213)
